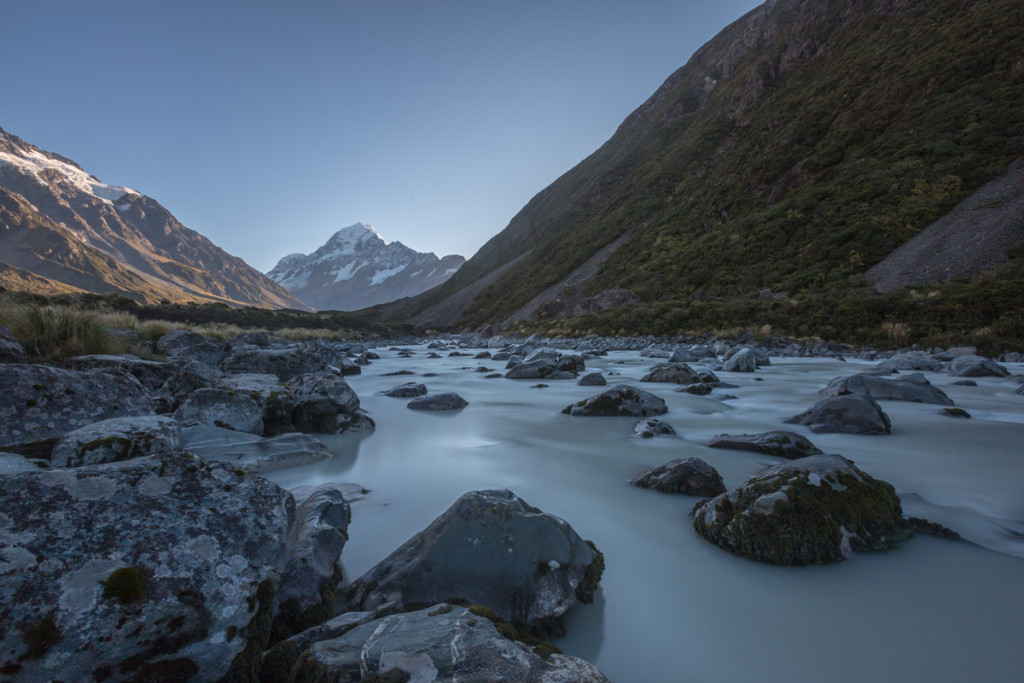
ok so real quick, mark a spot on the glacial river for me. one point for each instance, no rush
(673, 607)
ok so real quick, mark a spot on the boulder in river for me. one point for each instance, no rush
(912, 360)
(744, 360)
(221, 408)
(690, 476)
(779, 443)
(155, 567)
(976, 366)
(914, 388)
(592, 379)
(490, 548)
(846, 414)
(677, 373)
(407, 390)
(116, 439)
(444, 401)
(651, 427)
(814, 510)
(620, 400)
(325, 403)
(439, 643)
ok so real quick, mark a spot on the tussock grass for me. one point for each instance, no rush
(53, 333)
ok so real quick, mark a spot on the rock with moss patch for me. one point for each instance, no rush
(592, 379)
(913, 388)
(448, 400)
(187, 377)
(407, 390)
(955, 412)
(251, 452)
(42, 403)
(742, 360)
(779, 443)
(150, 561)
(285, 363)
(815, 510)
(183, 345)
(620, 400)
(678, 373)
(437, 644)
(912, 360)
(689, 476)
(116, 439)
(221, 408)
(651, 427)
(271, 394)
(976, 366)
(844, 414)
(491, 548)
(326, 404)
(10, 350)
(150, 373)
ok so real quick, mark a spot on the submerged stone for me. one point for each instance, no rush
(689, 476)
(620, 400)
(779, 443)
(846, 414)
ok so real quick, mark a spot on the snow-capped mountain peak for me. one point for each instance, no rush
(357, 268)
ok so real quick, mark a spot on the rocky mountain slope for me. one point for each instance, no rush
(357, 268)
(62, 230)
(793, 152)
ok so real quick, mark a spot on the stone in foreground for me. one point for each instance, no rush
(444, 401)
(689, 476)
(490, 548)
(844, 414)
(439, 643)
(815, 510)
(116, 439)
(153, 565)
(621, 400)
(779, 443)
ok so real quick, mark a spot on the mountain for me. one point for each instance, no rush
(792, 153)
(357, 268)
(62, 230)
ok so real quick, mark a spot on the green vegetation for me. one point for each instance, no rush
(56, 332)
(813, 157)
(124, 585)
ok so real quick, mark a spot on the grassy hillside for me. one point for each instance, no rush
(793, 152)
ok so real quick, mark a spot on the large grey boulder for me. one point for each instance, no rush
(439, 643)
(183, 345)
(912, 388)
(221, 408)
(690, 476)
(592, 379)
(10, 350)
(407, 390)
(779, 443)
(139, 570)
(150, 373)
(677, 373)
(42, 403)
(311, 574)
(448, 400)
(976, 366)
(186, 378)
(326, 404)
(814, 510)
(272, 396)
(744, 360)
(845, 414)
(912, 360)
(534, 369)
(285, 363)
(490, 548)
(620, 400)
(116, 439)
(250, 452)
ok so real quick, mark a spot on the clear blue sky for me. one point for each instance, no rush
(267, 126)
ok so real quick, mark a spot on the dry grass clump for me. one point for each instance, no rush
(52, 333)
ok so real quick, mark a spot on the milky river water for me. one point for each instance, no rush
(673, 607)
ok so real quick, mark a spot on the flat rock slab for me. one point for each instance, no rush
(439, 643)
(815, 510)
(621, 400)
(221, 408)
(444, 401)
(116, 439)
(157, 558)
(689, 476)
(779, 443)
(250, 452)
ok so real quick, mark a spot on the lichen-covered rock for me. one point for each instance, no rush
(116, 439)
(534, 369)
(677, 373)
(815, 510)
(10, 350)
(592, 379)
(444, 401)
(326, 404)
(620, 400)
(845, 414)
(744, 360)
(651, 427)
(187, 377)
(690, 476)
(150, 373)
(42, 403)
(221, 408)
(272, 396)
(183, 345)
(912, 360)
(12, 463)
(490, 548)
(439, 643)
(914, 388)
(132, 570)
(976, 366)
(250, 452)
(779, 443)
(407, 390)
(311, 574)
(285, 363)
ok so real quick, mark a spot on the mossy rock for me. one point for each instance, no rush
(126, 585)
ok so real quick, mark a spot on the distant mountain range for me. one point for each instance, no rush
(357, 268)
(63, 231)
(796, 150)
